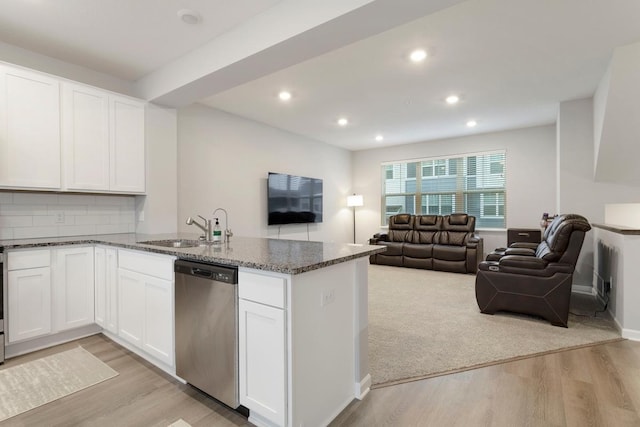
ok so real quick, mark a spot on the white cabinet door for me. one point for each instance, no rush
(131, 306)
(145, 315)
(262, 360)
(127, 145)
(85, 137)
(100, 280)
(29, 303)
(73, 287)
(29, 129)
(158, 319)
(112, 290)
(106, 289)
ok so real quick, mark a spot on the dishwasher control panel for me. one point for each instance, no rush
(216, 272)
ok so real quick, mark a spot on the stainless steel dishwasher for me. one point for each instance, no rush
(207, 328)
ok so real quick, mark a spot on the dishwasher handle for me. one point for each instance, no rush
(202, 273)
(217, 272)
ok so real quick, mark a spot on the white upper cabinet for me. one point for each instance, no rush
(127, 145)
(56, 134)
(29, 129)
(85, 137)
(103, 138)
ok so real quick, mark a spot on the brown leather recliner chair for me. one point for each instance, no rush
(534, 281)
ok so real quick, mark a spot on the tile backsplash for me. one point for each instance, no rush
(26, 215)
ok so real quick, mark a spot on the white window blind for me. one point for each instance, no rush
(473, 183)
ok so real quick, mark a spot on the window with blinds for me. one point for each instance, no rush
(474, 183)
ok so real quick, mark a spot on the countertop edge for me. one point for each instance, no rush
(619, 229)
(276, 268)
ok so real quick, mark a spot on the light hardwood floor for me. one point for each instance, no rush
(591, 386)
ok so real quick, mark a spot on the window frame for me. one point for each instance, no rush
(489, 182)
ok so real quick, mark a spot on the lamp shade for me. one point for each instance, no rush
(355, 200)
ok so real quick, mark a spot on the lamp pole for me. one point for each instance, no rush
(353, 202)
(354, 224)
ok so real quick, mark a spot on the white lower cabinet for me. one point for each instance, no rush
(73, 287)
(262, 360)
(106, 288)
(157, 338)
(50, 290)
(262, 347)
(29, 302)
(145, 303)
(130, 306)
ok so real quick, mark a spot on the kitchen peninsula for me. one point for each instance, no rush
(303, 316)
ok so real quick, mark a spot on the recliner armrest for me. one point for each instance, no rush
(473, 241)
(523, 261)
(524, 245)
(520, 251)
(379, 237)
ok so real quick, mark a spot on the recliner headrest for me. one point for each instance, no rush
(458, 219)
(401, 222)
(459, 222)
(428, 223)
(558, 234)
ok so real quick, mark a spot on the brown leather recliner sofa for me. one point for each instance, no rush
(433, 242)
(534, 279)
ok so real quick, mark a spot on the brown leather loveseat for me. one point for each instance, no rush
(433, 242)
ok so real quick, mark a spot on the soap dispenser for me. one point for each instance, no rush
(217, 232)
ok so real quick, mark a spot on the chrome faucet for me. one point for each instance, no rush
(227, 231)
(206, 227)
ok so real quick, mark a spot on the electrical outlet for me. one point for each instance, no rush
(60, 218)
(327, 297)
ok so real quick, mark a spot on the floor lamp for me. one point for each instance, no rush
(353, 202)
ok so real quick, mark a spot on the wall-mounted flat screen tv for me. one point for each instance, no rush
(293, 199)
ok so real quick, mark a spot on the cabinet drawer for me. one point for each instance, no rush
(269, 290)
(19, 260)
(159, 266)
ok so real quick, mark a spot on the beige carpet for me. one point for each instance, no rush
(41, 381)
(423, 323)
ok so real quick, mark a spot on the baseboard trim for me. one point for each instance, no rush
(363, 387)
(631, 334)
(583, 289)
(28, 346)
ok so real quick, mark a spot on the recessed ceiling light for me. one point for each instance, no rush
(471, 123)
(343, 121)
(379, 138)
(284, 95)
(189, 16)
(418, 55)
(452, 99)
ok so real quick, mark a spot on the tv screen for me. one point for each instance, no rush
(293, 199)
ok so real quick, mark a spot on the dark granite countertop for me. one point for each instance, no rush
(620, 229)
(278, 255)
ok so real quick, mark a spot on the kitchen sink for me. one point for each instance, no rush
(175, 243)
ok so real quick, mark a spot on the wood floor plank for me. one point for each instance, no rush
(592, 386)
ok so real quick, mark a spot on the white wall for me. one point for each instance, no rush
(531, 175)
(157, 211)
(618, 263)
(46, 64)
(623, 214)
(578, 192)
(223, 161)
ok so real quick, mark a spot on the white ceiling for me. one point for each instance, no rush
(511, 61)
